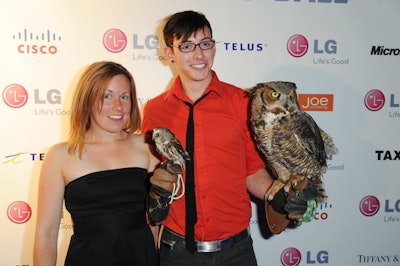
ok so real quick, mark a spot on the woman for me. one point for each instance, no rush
(101, 171)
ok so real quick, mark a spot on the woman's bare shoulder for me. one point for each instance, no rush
(58, 150)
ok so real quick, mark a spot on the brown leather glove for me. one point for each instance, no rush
(164, 181)
(165, 178)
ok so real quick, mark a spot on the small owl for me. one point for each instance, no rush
(292, 144)
(169, 146)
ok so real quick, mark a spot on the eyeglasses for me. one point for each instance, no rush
(188, 47)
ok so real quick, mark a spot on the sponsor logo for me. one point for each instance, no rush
(316, 102)
(15, 96)
(19, 157)
(387, 155)
(145, 47)
(37, 43)
(321, 213)
(297, 45)
(375, 100)
(382, 50)
(292, 257)
(385, 259)
(19, 212)
(370, 206)
(244, 47)
(114, 40)
(324, 51)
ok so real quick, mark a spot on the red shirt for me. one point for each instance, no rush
(224, 156)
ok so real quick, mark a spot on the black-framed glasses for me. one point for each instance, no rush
(188, 47)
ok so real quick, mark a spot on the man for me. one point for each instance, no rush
(210, 118)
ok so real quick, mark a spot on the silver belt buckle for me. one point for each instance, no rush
(208, 246)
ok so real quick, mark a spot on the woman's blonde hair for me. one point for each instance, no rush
(90, 88)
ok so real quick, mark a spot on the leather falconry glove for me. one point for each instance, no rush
(164, 185)
(286, 207)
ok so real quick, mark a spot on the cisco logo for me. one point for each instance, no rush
(37, 43)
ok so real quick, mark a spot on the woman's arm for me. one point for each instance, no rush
(49, 207)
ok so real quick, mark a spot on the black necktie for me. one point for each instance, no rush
(191, 215)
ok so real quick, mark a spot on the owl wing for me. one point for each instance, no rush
(308, 135)
(178, 149)
(330, 147)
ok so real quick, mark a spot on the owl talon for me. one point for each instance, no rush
(275, 187)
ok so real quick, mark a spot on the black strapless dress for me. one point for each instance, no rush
(108, 212)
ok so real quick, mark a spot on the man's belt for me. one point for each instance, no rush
(171, 240)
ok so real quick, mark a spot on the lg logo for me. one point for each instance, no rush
(374, 100)
(297, 46)
(16, 96)
(292, 257)
(19, 212)
(115, 41)
(370, 205)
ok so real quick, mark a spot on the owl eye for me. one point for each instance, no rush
(275, 95)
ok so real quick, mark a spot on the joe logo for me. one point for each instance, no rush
(297, 45)
(15, 96)
(369, 205)
(291, 257)
(19, 212)
(374, 100)
(114, 40)
(316, 102)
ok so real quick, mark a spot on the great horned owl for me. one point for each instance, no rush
(169, 146)
(289, 139)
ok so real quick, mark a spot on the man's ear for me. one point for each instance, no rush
(169, 54)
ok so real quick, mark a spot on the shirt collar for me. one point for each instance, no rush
(177, 91)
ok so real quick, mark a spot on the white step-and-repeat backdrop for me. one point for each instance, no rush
(344, 56)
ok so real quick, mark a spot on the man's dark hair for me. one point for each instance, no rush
(183, 25)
